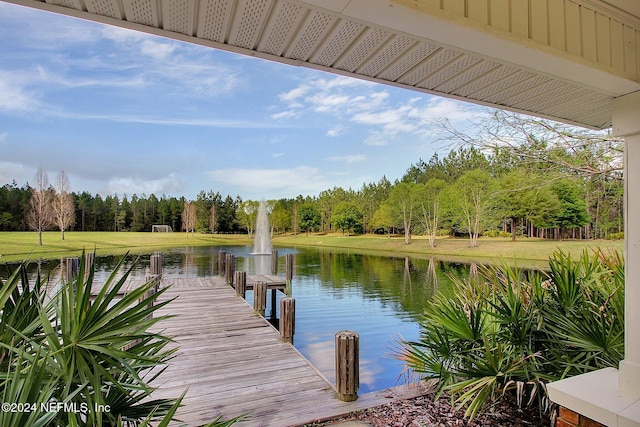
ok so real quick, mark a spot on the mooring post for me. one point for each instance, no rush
(347, 365)
(71, 268)
(150, 292)
(288, 273)
(229, 268)
(221, 259)
(260, 297)
(88, 262)
(156, 264)
(240, 283)
(274, 261)
(287, 319)
(274, 299)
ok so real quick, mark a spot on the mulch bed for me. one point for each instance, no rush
(423, 411)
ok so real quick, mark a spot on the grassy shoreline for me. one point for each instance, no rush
(17, 246)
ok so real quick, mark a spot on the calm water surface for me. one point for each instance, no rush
(381, 298)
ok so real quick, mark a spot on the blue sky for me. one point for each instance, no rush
(123, 112)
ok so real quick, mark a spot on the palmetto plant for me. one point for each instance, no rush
(509, 331)
(77, 359)
(585, 313)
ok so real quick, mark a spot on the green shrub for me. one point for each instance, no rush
(507, 331)
(496, 233)
(443, 232)
(615, 236)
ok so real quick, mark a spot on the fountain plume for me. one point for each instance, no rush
(262, 238)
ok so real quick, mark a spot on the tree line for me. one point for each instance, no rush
(515, 177)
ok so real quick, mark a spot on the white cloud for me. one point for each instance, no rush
(52, 78)
(14, 96)
(285, 115)
(294, 94)
(337, 95)
(325, 102)
(134, 185)
(370, 106)
(157, 50)
(273, 182)
(377, 139)
(348, 158)
(10, 171)
(455, 112)
(336, 131)
(122, 35)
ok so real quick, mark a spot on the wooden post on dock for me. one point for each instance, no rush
(240, 283)
(288, 273)
(274, 262)
(229, 268)
(287, 319)
(71, 268)
(156, 287)
(156, 264)
(88, 262)
(221, 259)
(260, 297)
(347, 365)
(274, 299)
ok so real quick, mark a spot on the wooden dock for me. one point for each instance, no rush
(233, 362)
(272, 281)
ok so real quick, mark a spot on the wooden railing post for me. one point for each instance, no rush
(274, 299)
(287, 319)
(88, 262)
(156, 264)
(288, 273)
(156, 286)
(71, 268)
(240, 283)
(347, 365)
(260, 297)
(274, 261)
(229, 268)
(221, 259)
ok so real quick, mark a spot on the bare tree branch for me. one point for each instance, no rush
(40, 215)
(64, 212)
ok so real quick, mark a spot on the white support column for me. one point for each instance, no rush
(626, 123)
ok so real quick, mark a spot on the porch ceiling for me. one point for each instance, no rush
(382, 41)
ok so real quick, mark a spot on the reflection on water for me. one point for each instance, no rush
(381, 298)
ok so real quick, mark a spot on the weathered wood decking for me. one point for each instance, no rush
(233, 362)
(272, 281)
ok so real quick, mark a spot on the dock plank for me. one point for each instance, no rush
(232, 362)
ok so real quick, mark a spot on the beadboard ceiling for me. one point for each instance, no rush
(353, 38)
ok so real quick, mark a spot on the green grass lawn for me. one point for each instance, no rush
(17, 246)
(491, 249)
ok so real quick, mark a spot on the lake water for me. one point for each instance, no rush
(380, 297)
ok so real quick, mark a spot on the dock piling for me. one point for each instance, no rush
(156, 264)
(71, 268)
(274, 262)
(288, 272)
(260, 297)
(240, 283)
(88, 262)
(347, 354)
(221, 259)
(229, 268)
(287, 319)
